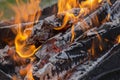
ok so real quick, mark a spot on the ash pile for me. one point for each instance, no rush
(77, 42)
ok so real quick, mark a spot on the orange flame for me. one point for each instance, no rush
(118, 39)
(73, 34)
(27, 71)
(25, 12)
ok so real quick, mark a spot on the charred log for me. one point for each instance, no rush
(107, 31)
(66, 59)
(89, 70)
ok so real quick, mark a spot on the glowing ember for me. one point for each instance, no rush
(25, 12)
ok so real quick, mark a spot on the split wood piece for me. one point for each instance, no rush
(90, 69)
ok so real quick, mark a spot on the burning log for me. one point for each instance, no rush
(108, 33)
(60, 41)
(52, 25)
(86, 43)
(45, 29)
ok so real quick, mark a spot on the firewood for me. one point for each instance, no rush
(108, 33)
(67, 58)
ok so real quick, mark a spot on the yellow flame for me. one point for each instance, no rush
(25, 12)
(64, 5)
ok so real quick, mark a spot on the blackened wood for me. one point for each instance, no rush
(4, 76)
(85, 70)
(110, 63)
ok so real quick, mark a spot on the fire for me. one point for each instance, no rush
(73, 34)
(25, 12)
(64, 6)
(1, 13)
(27, 71)
(118, 39)
(91, 4)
